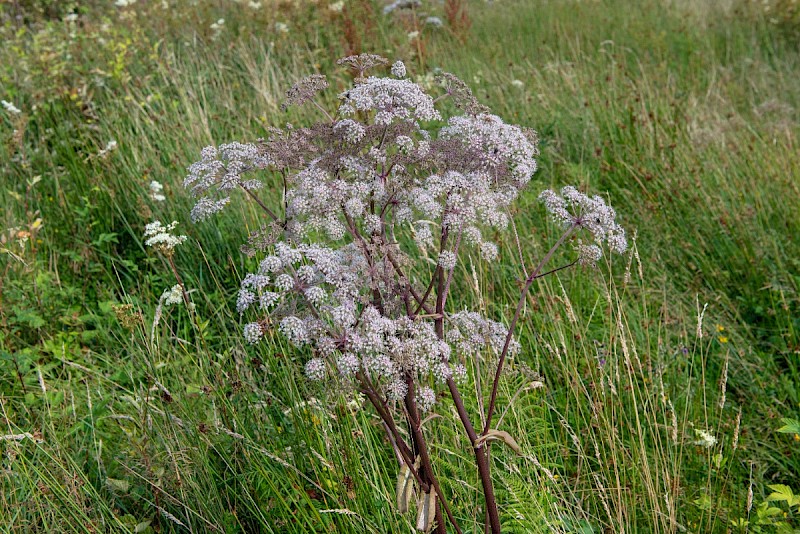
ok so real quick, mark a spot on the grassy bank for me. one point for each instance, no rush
(685, 119)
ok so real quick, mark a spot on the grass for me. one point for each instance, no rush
(686, 122)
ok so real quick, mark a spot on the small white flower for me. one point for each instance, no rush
(156, 191)
(173, 295)
(315, 295)
(11, 108)
(396, 390)
(72, 17)
(295, 330)
(573, 208)
(413, 35)
(315, 369)
(348, 364)
(488, 251)
(350, 130)
(399, 69)
(447, 260)
(110, 147)
(519, 84)
(426, 398)
(253, 333)
(588, 255)
(124, 3)
(436, 22)
(159, 237)
(705, 439)
(217, 28)
(405, 143)
(337, 7)
(254, 5)
(459, 373)
(281, 27)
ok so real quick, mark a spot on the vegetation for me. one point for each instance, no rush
(671, 376)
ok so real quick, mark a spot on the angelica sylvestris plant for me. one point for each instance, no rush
(370, 191)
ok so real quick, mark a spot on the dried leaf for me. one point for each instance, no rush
(426, 511)
(429, 418)
(405, 488)
(500, 435)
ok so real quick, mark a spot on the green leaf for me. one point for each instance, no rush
(141, 527)
(105, 238)
(782, 492)
(790, 426)
(28, 317)
(117, 485)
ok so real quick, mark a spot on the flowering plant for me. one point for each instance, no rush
(368, 192)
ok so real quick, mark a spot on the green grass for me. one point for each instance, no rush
(687, 122)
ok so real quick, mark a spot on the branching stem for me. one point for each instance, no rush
(511, 327)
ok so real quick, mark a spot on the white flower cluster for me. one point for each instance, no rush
(401, 4)
(320, 295)
(705, 438)
(316, 201)
(399, 69)
(501, 150)
(390, 99)
(435, 22)
(462, 202)
(472, 333)
(573, 208)
(219, 172)
(173, 295)
(372, 180)
(109, 148)
(159, 237)
(350, 130)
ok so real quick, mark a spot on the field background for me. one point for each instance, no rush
(684, 115)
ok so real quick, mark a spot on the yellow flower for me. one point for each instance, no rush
(720, 328)
(723, 339)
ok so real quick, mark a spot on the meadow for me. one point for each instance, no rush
(671, 375)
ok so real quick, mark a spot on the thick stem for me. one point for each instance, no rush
(402, 447)
(481, 458)
(511, 327)
(425, 460)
